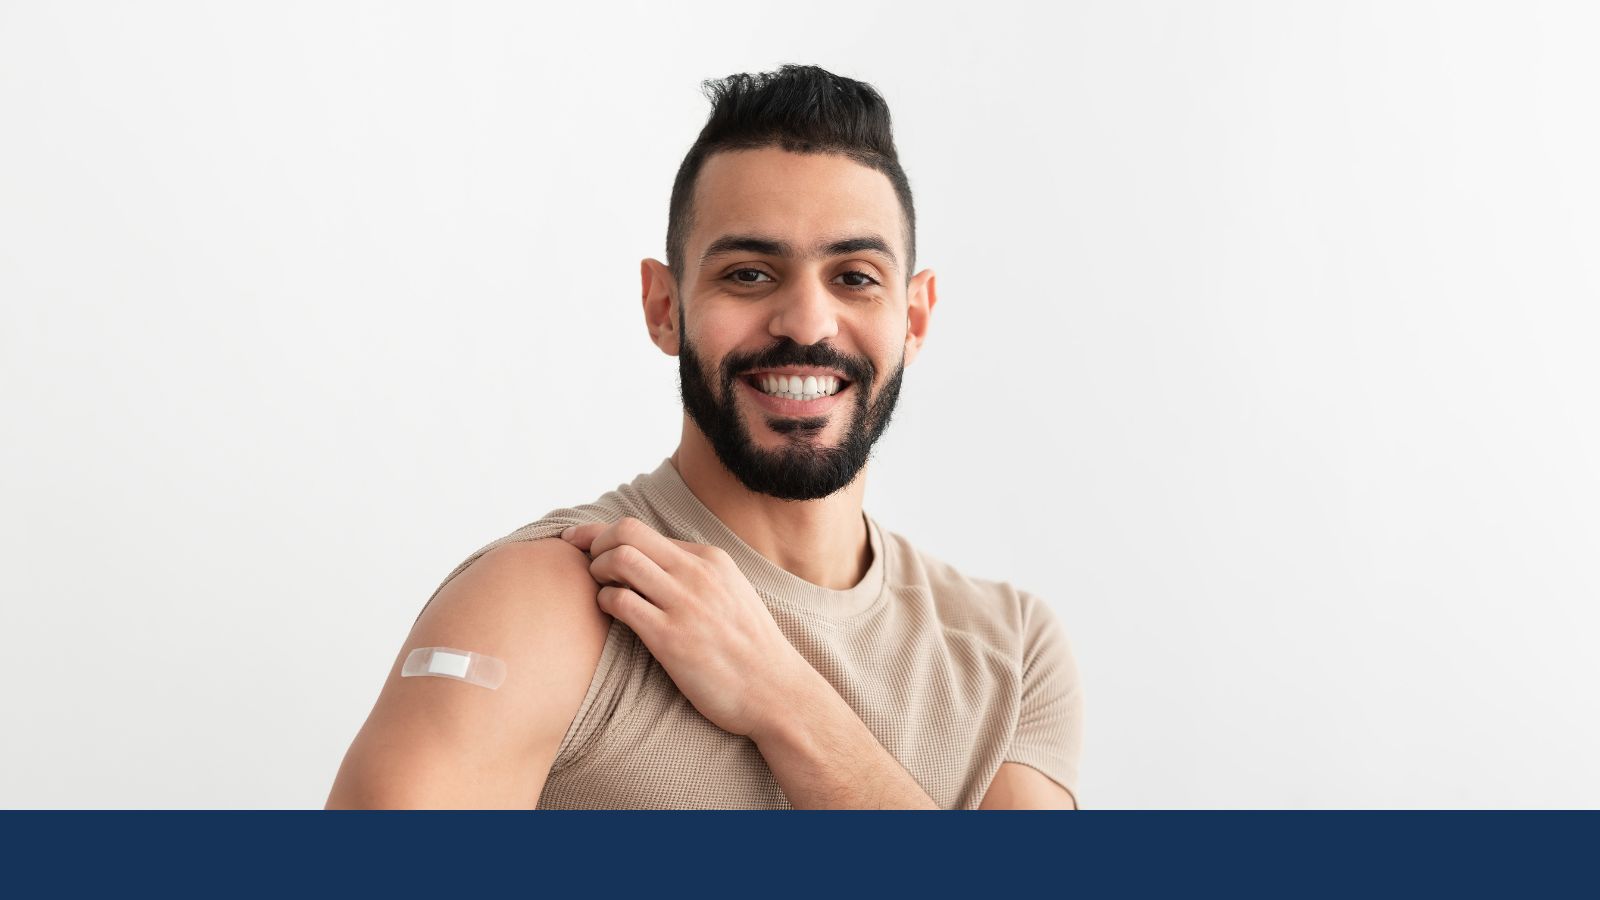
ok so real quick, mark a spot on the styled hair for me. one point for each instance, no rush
(801, 109)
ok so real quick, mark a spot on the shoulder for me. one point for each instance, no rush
(992, 605)
(1042, 626)
(517, 592)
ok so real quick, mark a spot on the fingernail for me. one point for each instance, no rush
(567, 532)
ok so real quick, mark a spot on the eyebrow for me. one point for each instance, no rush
(766, 246)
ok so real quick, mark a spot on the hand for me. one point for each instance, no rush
(700, 617)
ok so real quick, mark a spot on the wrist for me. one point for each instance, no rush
(793, 713)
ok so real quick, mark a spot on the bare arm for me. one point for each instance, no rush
(1017, 786)
(436, 743)
(824, 757)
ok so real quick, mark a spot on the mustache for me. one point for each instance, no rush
(791, 354)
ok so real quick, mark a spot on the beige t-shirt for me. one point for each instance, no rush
(953, 674)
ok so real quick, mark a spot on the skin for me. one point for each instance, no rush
(688, 602)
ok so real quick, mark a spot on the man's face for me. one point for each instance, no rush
(782, 279)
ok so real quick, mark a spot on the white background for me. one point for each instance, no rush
(1265, 352)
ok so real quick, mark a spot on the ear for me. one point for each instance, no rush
(660, 304)
(921, 295)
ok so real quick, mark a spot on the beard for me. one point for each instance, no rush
(803, 468)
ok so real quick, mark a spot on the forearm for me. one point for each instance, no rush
(825, 757)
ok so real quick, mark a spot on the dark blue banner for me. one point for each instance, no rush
(549, 853)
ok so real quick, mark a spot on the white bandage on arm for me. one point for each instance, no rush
(462, 665)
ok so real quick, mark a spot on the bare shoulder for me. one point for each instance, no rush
(542, 583)
(437, 742)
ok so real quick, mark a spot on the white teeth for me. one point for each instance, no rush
(795, 387)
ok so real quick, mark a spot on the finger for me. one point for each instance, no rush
(585, 535)
(633, 610)
(667, 553)
(581, 535)
(627, 565)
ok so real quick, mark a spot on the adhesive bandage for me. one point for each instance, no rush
(462, 665)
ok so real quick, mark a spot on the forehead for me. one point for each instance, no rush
(794, 196)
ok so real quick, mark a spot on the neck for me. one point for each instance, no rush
(822, 541)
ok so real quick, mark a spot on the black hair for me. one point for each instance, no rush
(801, 109)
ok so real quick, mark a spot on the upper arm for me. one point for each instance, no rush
(1041, 764)
(436, 742)
(1019, 786)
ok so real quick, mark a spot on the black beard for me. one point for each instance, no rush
(801, 470)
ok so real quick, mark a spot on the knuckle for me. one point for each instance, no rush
(628, 556)
(706, 570)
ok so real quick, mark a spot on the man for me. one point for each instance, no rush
(732, 630)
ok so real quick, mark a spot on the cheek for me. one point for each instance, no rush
(887, 351)
(715, 339)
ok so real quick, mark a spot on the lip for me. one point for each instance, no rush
(801, 371)
(784, 407)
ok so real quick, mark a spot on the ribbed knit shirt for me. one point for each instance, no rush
(953, 674)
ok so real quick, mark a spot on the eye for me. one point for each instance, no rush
(860, 284)
(734, 276)
(737, 277)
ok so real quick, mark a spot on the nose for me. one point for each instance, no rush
(806, 314)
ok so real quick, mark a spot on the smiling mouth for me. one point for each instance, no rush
(806, 388)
